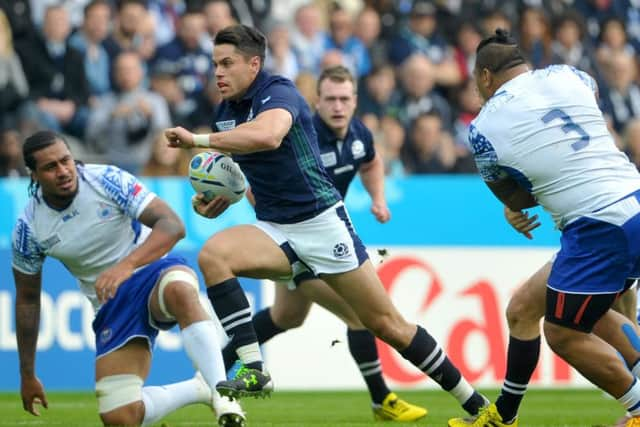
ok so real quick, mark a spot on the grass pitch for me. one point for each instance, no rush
(541, 408)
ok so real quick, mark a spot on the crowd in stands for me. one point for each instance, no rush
(112, 74)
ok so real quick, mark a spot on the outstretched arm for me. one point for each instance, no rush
(27, 312)
(372, 175)
(512, 194)
(265, 132)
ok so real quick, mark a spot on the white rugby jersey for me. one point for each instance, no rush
(544, 129)
(97, 230)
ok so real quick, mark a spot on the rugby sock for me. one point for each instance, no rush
(425, 353)
(232, 308)
(161, 401)
(522, 358)
(264, 326)
(362, 345)
(201, 344)
(631, 399)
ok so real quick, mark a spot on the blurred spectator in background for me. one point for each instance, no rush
(467, 40)
(281, 58)
(390, 137)
(334, 57)
(417, 94)
(612, 39)
(429, 149)
(622, 100)
(367, 30)
(535, 37)
(568, 47)
(19, 14)
(378, 96)
(55, 72)
(11, 162)
(147, 44)
(14, 89)
(186, 60)
(88, 40)
(166, 161)
(74, 8)
(125, 124)
(493, 19)
(206, 107)
(166, 14)
(130, 13)
(468, 106)
(341, 37)
(218, 16)
(308, 38)
(306, 84)
(631, 141)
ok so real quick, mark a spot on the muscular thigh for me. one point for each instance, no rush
(132, 358)
(248, 251)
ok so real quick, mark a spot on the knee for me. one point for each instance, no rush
(212, 257)
(387, 328)
(120, 400)
(522, 312)
(129, 415)
(557, 337)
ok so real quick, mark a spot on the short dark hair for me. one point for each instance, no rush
(36, 142)
(247, 40)
(499, 52)
(338, 74)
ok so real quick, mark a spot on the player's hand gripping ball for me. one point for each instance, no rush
(216, 174)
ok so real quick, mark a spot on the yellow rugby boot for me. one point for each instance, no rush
(633, 422)
(488, 417)
(396, 409)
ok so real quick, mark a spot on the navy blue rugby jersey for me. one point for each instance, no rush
(289, 183)
(342, 158)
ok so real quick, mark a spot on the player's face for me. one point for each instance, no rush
(336, 104)
(56, 173)
(234, 73)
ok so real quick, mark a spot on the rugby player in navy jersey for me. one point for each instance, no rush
(346, 148)
(266, 125)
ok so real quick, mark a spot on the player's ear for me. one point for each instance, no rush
(255, 63)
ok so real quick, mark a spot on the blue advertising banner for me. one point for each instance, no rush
(426, 211)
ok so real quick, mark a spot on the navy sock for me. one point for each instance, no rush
(522, 359)
(264, 326)
(362, 345)
(232, 308)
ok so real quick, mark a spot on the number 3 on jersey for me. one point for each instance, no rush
(568, 126)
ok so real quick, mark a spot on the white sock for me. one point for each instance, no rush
(162, 400)
(631, 399)
(249, 353)
(200, 340)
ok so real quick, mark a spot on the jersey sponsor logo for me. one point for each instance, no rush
(357, 149)
(329, 159)
(74, 213)
(226, 125)
(341, 250)
(50, 242)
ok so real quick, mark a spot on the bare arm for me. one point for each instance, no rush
(166, 230)
(512, 194)
(263, 133)
(372, 175)
(27, 312)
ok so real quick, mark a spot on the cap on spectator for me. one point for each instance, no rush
(422, 8)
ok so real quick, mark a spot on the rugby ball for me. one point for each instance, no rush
(216, 174)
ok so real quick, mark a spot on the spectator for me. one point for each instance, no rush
(307, 85)
(130, 14)
(417, 78)
(11, 162)
(88, 40)
(147, 44)
(341, 38)
(622, 100)
(125, 124)
(166, 161)
(390, 136)
(13, 83)
(632, 141)
(378, 97)
(612, 39)
(468, 106)
(75, 9)
(166, 14)
(308, 39)
(368, 28)
(280, 56)
(421, 36)
(535, 37)
(218, 16)
(568, 48)
(19, 14)
(55, 72)
(494, 19)
(334, 57)
(430, 149)
(206, 107)
(185, 59)
(468, 37)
